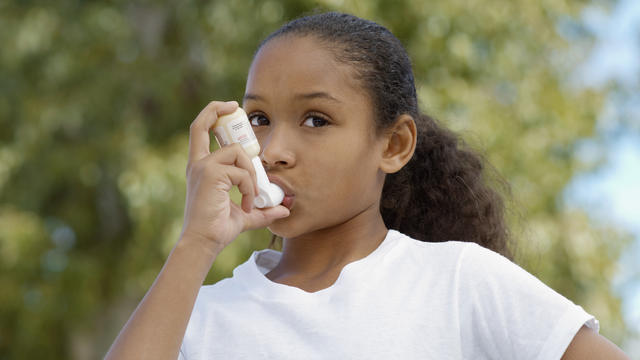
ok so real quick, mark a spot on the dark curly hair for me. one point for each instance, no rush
(442, 193)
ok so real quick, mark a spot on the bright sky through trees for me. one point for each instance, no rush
(612, 192)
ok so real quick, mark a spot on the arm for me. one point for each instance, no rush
(211, 221)
(587, 344)
(156, 328)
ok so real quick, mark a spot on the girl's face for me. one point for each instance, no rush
(315, 125)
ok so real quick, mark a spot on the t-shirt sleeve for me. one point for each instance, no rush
(507, 313)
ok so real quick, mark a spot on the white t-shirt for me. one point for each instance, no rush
(408, 299)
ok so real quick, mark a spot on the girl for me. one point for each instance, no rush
(374, 192)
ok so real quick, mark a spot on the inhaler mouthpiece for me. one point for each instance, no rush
(269, 194)
(269, 198)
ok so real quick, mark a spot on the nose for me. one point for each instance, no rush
(277, 149)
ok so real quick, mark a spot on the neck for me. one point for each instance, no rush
(323, 253)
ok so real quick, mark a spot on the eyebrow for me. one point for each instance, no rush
(307, 96)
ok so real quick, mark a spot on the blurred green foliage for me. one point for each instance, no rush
(96, 99)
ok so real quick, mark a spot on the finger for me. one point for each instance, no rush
(235, 155)
(199, 140)
(259, 218)
(242, 179)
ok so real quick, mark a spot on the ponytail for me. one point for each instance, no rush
(442, 194)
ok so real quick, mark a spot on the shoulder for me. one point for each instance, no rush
(476, 272)
(430, 259)
(223, 290)
(491, 273)
(227, 290)
(449, 249)
(210, 299)
(447, 252)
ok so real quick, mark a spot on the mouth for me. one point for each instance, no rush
(289, 196)
(288, 201)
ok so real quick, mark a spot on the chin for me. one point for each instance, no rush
(288, 227)
(285, 233)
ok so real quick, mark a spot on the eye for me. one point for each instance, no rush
(258, 120)
(315, 121)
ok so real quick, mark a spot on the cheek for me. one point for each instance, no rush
(336, 186)
(343, 176)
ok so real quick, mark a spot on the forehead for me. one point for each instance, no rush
(295, 64)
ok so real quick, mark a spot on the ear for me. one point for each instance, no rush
(399, 144)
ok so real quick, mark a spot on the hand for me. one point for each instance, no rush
(209, 212)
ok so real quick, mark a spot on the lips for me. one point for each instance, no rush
(289, 196)
(288, 201)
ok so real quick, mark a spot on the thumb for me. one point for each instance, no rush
(259, 218)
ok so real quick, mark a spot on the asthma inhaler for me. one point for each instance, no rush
(235, 128)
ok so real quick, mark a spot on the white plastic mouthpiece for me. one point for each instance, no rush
(269, 194)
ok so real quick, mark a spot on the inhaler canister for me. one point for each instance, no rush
(235, 128)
